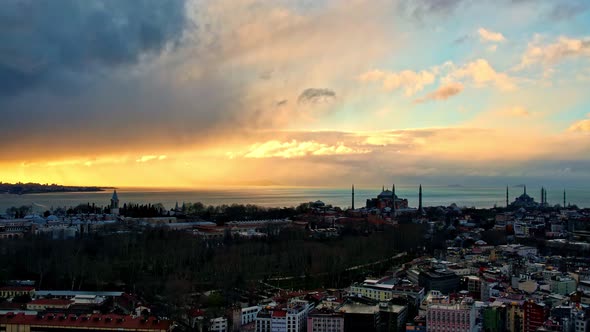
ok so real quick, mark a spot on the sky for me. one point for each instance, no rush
(196, 93)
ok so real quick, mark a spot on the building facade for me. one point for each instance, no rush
(458, 317)
(325, 321)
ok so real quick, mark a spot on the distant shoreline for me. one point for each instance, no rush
(36, 188)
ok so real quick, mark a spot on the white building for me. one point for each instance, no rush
(581, 321)
(376, 290)
(263, 319)
(248, 314)
(451, 316)
(218, 324)
(292, 318)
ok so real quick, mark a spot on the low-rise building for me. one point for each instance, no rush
(12, 291)
(218, 324)
(325, 320)
(290, 318)
(248, 315)
(96, 322)
(562, 285)
(44, 304)
(451, 316)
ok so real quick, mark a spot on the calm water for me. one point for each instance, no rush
(483, 197)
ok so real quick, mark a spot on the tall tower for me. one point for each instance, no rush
(115, 203)
(420, 199)
(525, 189)
(393, 197)
(564, 198)
(353, 196)
(507, 203)
(542, 196)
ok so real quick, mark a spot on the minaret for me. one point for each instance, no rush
(420, 198)
(115, 203)
(525, 189)
(564, 198)
(353, 196)
(393, 195)
(383, 189)
(542, 195)
(507, 204)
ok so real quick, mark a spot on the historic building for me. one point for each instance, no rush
(387, 199)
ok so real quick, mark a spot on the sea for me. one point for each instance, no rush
(439, 195)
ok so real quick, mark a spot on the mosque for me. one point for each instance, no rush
(387, 199)
(526, 201)
(390, 203)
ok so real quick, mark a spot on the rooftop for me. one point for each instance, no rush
(358, 308)
(86, 321)
(50, 302)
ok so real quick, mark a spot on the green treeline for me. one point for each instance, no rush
(151, 261)
(224, 213)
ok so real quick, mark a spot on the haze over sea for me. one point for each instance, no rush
(476, 196)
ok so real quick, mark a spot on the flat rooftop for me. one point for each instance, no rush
(358, 308)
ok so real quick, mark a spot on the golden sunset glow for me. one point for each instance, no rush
(278, 93)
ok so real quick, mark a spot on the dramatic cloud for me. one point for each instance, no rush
(550, 54)
(295, 149)
(49, 42)
(481, 73)
(490, 36)
(199, 80)
(147, 158)
(153, 92)
(580, 126)
(314, 96)
(443, 93)
(407, 80)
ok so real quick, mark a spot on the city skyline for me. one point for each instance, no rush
(196, 93)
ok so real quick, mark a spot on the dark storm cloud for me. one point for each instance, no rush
(76, 78)
(313, 95)
(566, 10)
(423, 8)
(462, 39)
(46, 41)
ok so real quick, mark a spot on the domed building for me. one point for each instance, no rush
(524, 201)
(387, 198)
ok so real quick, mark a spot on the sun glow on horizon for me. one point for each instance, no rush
(285, 93)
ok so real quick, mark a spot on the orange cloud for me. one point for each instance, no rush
(334, 157)
(580, 126)
(407, 80)
(514, 111)
(550, 54)
(443, 93)
(481, 73)
(147, 158)
(490, 36)
(295, 149)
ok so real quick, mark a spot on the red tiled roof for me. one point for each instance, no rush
(50, 302)
(17, 288)
(87, 321)
(196, 313)
(279, 313)
(11, 305)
